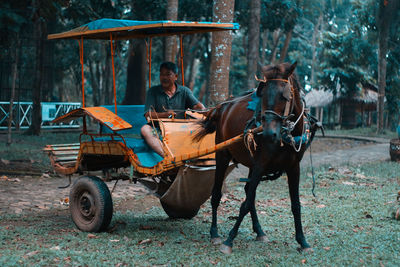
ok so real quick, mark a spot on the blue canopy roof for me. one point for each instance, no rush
(127, 29)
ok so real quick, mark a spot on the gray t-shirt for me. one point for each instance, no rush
(158, 100)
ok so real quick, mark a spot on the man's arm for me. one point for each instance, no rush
(199, 106)
(151, 105)
(156, 115)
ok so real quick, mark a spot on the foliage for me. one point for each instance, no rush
(345, 48)
(280, 14)
(344, 59)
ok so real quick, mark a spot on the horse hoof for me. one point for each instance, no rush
(262, 238)
(227, 250)
(305, 250)
(216, 241)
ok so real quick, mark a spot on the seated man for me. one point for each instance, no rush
(162, 100)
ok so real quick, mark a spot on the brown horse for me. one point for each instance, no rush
(278, 148)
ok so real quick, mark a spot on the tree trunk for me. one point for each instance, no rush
(107, 74)
(285, 47)
(264, 38)
(276, 36)
(193, 71)
(382, 51)
(94, 75)
(170, 46)
(190, 56)
(135, 93)
(223, 11)
(14, 74)
(386, 13)
(253, 42)
(314, 50)
(40, 34)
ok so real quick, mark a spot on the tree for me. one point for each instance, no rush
(253, 42)
(11, 23)
(170, 42)
(223, 11)
(40, 33)
(387, 10)
(136, 80)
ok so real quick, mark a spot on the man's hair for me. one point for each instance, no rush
(169, 66)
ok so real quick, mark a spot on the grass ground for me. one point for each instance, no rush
(364, 131)
(29, 147)
(349, 223)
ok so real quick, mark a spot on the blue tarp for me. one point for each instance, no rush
(102, 24)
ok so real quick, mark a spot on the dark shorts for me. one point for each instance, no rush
(155, 129)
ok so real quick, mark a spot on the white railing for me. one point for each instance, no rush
(22, 114)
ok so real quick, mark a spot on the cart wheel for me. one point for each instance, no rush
(91, 204)
(175, 213)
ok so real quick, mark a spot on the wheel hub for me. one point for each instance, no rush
(86, 205)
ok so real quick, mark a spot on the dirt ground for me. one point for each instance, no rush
(25, 191)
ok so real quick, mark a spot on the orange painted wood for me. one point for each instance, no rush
(100, 114)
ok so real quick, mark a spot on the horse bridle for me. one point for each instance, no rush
(289, 106)
(287, 125)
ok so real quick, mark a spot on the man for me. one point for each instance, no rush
(163, 99)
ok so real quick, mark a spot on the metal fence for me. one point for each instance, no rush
(22, 114)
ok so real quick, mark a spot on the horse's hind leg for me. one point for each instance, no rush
(223, 158)
(261, 236)
(246, 206)
(293, 181)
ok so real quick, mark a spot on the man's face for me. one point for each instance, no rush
(167, 78)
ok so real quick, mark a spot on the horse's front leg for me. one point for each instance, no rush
(222, 160)
(246, 206)
(293, 181)
(261, 236)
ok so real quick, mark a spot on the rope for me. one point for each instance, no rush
(250, 142)
(302, 132)
(152, 122)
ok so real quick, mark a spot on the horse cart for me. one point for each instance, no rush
(182, 179)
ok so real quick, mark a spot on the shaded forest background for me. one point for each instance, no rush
(340, 46)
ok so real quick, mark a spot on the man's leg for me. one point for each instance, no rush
(152, 140)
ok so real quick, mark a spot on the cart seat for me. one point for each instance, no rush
(134, 115)
(146, 155)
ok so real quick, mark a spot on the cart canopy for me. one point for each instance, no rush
(128, 29)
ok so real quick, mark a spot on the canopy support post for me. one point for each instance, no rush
(182, 69)
(83, 74)
(113, 71)
(148, 56)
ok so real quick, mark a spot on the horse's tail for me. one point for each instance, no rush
(207, 125)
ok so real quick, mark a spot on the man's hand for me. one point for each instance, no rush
(170, 114)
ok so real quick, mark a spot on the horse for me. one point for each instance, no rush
(280, 113)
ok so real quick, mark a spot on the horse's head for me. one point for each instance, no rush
(276, 94)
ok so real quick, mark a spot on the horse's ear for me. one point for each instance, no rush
(291, 69)
(260, 88)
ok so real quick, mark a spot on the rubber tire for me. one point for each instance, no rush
(174, 213)
(90, 204)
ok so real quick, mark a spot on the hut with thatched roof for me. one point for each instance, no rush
(348, 112)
